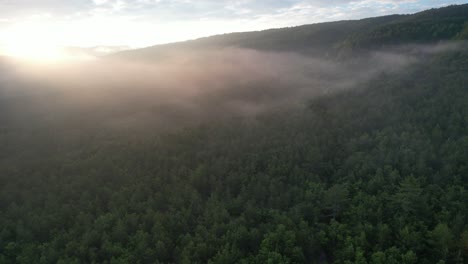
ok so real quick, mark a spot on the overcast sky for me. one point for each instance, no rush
(138, 23)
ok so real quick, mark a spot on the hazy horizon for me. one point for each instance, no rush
(49, 28)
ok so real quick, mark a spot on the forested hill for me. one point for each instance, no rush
(334, 38)
(244, 156)
(376, 174)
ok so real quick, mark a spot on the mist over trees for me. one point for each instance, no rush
(343, 142)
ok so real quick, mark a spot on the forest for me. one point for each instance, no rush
(326, 143)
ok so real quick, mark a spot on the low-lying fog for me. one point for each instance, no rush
(184, 88)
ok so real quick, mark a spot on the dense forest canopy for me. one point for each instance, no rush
(343, 142)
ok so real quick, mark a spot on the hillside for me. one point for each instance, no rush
(333, 38)
(244, 154)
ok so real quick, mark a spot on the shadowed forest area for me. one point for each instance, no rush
(343, 142)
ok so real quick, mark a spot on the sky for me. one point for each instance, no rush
(140, 23)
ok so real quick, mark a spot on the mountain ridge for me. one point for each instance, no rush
(331, 39)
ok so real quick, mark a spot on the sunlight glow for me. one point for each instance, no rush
(33, 42)
(35, 52)
(49, 39)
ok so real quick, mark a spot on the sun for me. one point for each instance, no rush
(38, 52)
(35, 43)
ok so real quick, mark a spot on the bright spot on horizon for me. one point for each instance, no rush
(42, 52)
(35, 43)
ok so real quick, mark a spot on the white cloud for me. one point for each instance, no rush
(100, 2)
